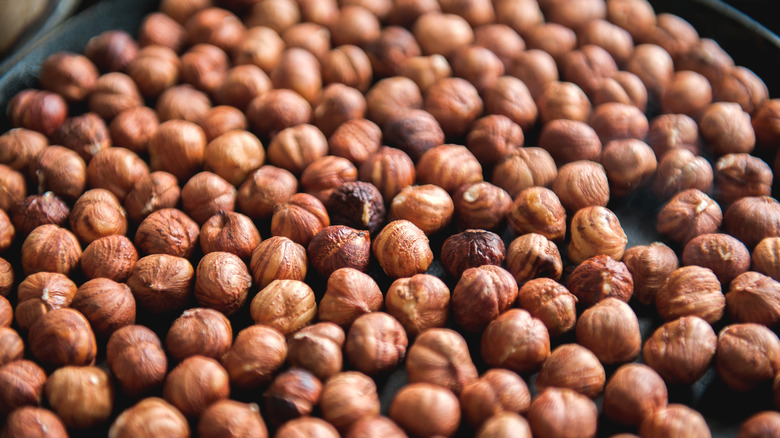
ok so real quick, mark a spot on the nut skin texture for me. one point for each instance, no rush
(682, 350)
(481, 205)
(114, 93)
(232, 419)
(574, 367)
(107, 305)
(349, 293)
(418, 302)
(358, 205)
(257, 353)
(71, 75)
(347, 398)
(679, 169)
(318, 349)
(339, 246)
(111, 50)
(440, 33)
(177, 147)
(596, 230)
(441, 356)
(222, 119)
(496, 392)
(614, 121)
(752, 219)
(167, 231)
(157, 191)
(62, 337)
(231, 232)
(6, 313)
(559, 411)
(7, 231)
(278, 258)
(324, 175)
(276, 110)
(610, 329)
(40, 293)
(36, 210)
(97, 213)
(60, 170)
(563, 100)
(532, 256)
(674, 420)
(510, 97)
(6, 277)
(162, 283)
(672, 131)
(292, 394)
(538, 210)
(425, 400)
(23, 382)
(37, 110)
(493, 137)
(86, 134)
(478, 65)
(355, 139)
(222, 282)
(402, 234)
(601, 277)
(455, 103)
(726, 256)
(650, 266)
(339, 105)
(748, 355)
(14, 188)
(426, 70)
(263, 189)
(427, 206)
(629, 163)
(471, 249)
(376, 343)
(148, 418)
(765, 257)
(368, 427)
(740, 175)
(204, 67)
(81, 396)
(481, 294)
(234, 155)
(158, 28)
(505, 424)
(726, 128)
(633, 393)
(117, 170)
(300, 218)
(551, 302)
(286, 305)
(688, 214)
(33, 422)
(306, 426)
(20, 146)
(524, 168)
(137, 360)
(196, 383)
(448, 166)
(390, 170)
(764, 423)
(206, 194)
(133, 127)
(199, 331)
(502, 344)
(691, 290)
(580, 184)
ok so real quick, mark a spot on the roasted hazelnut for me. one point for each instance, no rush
(610, 329)
(587, 67)
(60, 170)
(182, 102)
(349, 293)
(687, 92)
(601, 277)
(537, 210)
(765, 123)
(470, 249)
(278, 258)
(277, 110)
(340, 104)
(375, 426)
(339, 246)
(596, 230)
(726, 256)
(206, 194)
(536, 68)
(390, 96)
(137, 360)
(679, 169)
(14, 189)
(550, 302)
(306, 426)
(449, 166)
(324, 175)
(300, 218)
(356, 140)
(156, 191)
(554, 38)
(434, 402)
(633, 393)
(286, 305)
(454, 103)
(97, 213)
(705, 56)
(481, 294)
(23, 382)
(726, 128)
(558, 410)
(158, 28)
(292, 394)
(419, 302)
(752, 219)
(317, 348)
(150, 414)
(413, 131)
(347, 398)
(653, 65)
(116, 170)
(204, 67)
(232, 419)
(154, 69)
(376, 343)
(162, 283)
(496, 392)
(500, 39)
(222, 119)
(520, 15)
(581, 184)
(425, 70)
(312, 37)
(107, 305)
(615, 121)
(37, 110)
(196, 383)
(691, 290)
(764, 423)
(751, 298)
(674, 34)
(12, 348)
(524, 168)
(441, 356)
(113, 93)
(167, 231)
(442, 33)
(741, 174)
(562, 100)
(617, 41)
(747, 355)
(765, 257)
(215, 26)
(71, 75)
(493, 137)
(40, 293)
(389, 170)
(688, 214)
(177, 147)
(354, 25)
(222, 282)
(230, 232)
(199, 331)
(133, 128)
(257, 353)
(478, 65)
(7, 231)
(682, 350)
(504, 424)
(241, 85)
(62, 337)
(111, 50)
(297, 147)
(570, 140)
(402, 234)
(86, 134)
(481, 205)
(390, 50)
(233, 156)
(20, 146)
(574, 367)
(276, 14)
(622, 87)
(50, 248)
(6, 277)
(739, 84)
(629, 164)
(264, 189)
(531, 256)
(6, 313)
(510, 97)
(427, 206)
(502, 344)
(81, 396)
(298, 70)
(650, 266)
(33, 422)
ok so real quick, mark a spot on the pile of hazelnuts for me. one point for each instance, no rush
(259, 218)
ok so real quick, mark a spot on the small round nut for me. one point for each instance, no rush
(402, 234)
(136, 359)
(761, 423)
(481, 205)
(167, 231)
(726, 256)
(691, 290)
(675, 419)
(570, 140)
(440, 356)
(688, 214)
(752, 298)
(107, 305)
(557, 410)
(633, 393)
(177, 147)
(23, 383)
(20, 146)
(299, 218)
(349, 293)
(347, 398)
(538, 210)
(81, 396)
(278, 258)
(679, 169)
(629, 164)
(339, 246)
(376, 343)
(36, 210)
(195, 383)
(419, 302)
(232, 419)
(317, 348)
(257, 353)
(154, 192)
(151, 413)
(682, 350)
(650, 266)
(230, 232)
(503, 346)
(49, 248)
(356, 204)
(162, 283)
(752, 219)
(206, 194)
(71, 75)
(551, 302)
(133, 127)
(575, 367)
(286, 305)
(531, 256)
(495, 393)
(610, 329)
(448, 166)
(470, 249)
(524, 168)
(292, 394)
(581, 183)
(389, 170)
(747, 355)
(199, 331)
(726, 128)
(12, 344)
(493, 137)
(434, 402)
(427, 206)
(117, 170)
(87, 134)
(33, 421)
(765, 257)
(37, 110)
(596, 230)
(740, 175)
(40, 293)
(60, 170)
(97, 213)
(234, 155)
(222, 282)
(481, 294)
(264, 189)
(62, 337)
(601, 277)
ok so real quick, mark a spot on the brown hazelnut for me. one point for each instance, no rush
(481, 205)
(37, 110)
(650, 266)
(215, 26)
(392, 95)
(425, 70)
(504, 424)
(167, 231)
(433, 402)
(629, 164)
(257, 353)
(158, 28)
(653, 65)
(617, 41)
(524, 168)
(674, 34)
(765, 257)
(739, 84)
(622, 87)
(707, 57)
(477, 65)
(317, 348)
(441, 356)
(753, 218)
(726, 128)
(502, 344)
(299, 218)
(20, 146)
(276, 110)
(182, 102)
(111, 50)
(292, 394)
(347, 398)
(442, 33)
(297, 147)
(531, 256)
(679, 169)
(740, 175)
(633, 393)
(536, 68)
(570, 140)
(496, 392)
(493, 137)
(156, 191)
(136, 359)
(610, 329)
(232, 419)
(340, 104)
(520, 15)
(747, 355)
(62, 337)
(110, 257)
(581, 184)
(199, 331)
(97, 213)
(6, 312)
(751, 298)
(688, 214)
(554, 38)
(36, 210)
(349, 293)
(762, 423)
(154, 69)
(195, 383)
(687, 92)
(500, 39)
(264, 189)
(12, 348)
(23, 382)
(278, 258)
(113, 93)
(117, 170)
(682, 350)
(40, 293)
(241, 85)
(389, 170)
(6, 277)
(206, 194)
(306, 426)
(177, 147)
(615, 121)
(312, 37)
(449, 166)
(375, 426)
(413, 131)
(7, 231)
(574, 367)
(376, 343)
(556, 411)
(81, 396)
(162, 283)
(389, 51)
(510, 97)
(470, 249)
(286, 305)
(691, 290)
(354, 25)
(550, 302)
(481, 294)
(587, 67)
(356, 140)
(340, 246)
(726, 256)
(71, 75)
(562, 100)
(133, 128)
(455, 103)
(222, 119)
(596, 230)
(52, 249)
(418, 302)
(151, 413)
(60, 170)
(427, 206)
(276, 14)
(325, 174)
(33, 422)
(298, 70)
(230, 232)
(204, 67)
(397, 234)
(601, 277)
(537, 210)
(222, 282)
(107, 305)
(765, 123)
(348, 65)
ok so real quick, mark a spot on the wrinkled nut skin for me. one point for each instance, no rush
(596, 230)
(633, 393)
(551, 302)
(60, 170)
(538, 210)
(340, 104)
(427, 206)
(356, 140)
(601, 277)
(206, 194)
(672, 131)
(448, 166)
(481, 205)
(610, 329)
(562, 100)
(264, 189)
(470, 249)
(402, 234)
(441, 356)
(766, 257)
(455, 103)
(688, 214)
(114, 93)
(222, 119)
(97, 213)
(222, 282)
(286, 305)
(177, 147)
(425, 400)
(570, 140)
(157, 191)
(20, 146)
(532, 256)
(752, 219)
(580, 184)
(748, 354)
(6, 313)
(339, 246)
(753, 297)
(107, 305)
(37, 110)
(62, 337)
(323, 176)
(50, 248)
(86, 134)
(349, 293)
(195, 383)
(481, 294)
(764, 423)
(231, 232)
(6, 277)
(629, 163)
(389, 169)
(356, 204)
(376, 343)
(524, 168)
(71, 75)
(14, 189)
(679, 169)
(40, 293)
(740, 175)
(557, 411)
(505, 424)
(7, 231)
(510, 97)
(23, 382)
(278, 258)
(347, 398)
(412, 131)
(726, 128)
(232, 419)
(515, 340)
(317, 348)
(162, 283)
(300, 218)
(379, 425)
(493, 137)
(306, 426)
(418, 302)
(726, 256)
(33, 421)
(682, 350)
(574, 367)
(167, 231)
(199, 331)
(496, 392)
(650, 266)
(256, 354)
(292, 394)
(133, 127)
(36, 210)
(81, 396)
(136, 359)
(234, 155)
(691, 290)
(151, 416)
(674, 420)
(117, 170)
(293, 148)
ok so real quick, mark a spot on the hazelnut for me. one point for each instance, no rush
(691, 290)
(317, 348)
(726, 128)
(765, 257)
(500, 39)
(537, 210)
(158, 190)
(230, 232)
(413, 131)
(740, 175)
(162, 283)
(222, 119)
(550, 302)
(71, 75)
(650, 266)
(81, 396)
(470, 249)
(277, 110)
(617, 41)
(312, 37)
(339, 246)
(325, 174)
(12, 344)
(167, 231)
(340, 104)
(299, 218)
(493, 137)
(222, 282)
(762, 423)
(154, 69)
(286, 305)
(6, 277)
(389, 97)
(424, 400)
(300, 71)
(111, 50)
(418, 302)
(33, 422)
(596, 230)
(536, 68)
(765, 124)
(751, 298)
(52, 249)
(515, 340)
(20, 146)
(688, 214)
(132, 128)
(448, 166)
(682, 350)
(112, 94)
(752, 219)
(36, 210)
(581, 184)
(554, 38)
(347, 398)
(570, 140)
(160, 29)
(204, 67)
(215, 26)
(402, 234)
(376, 343)
(62, 337)
(241, 85)
(6, 312)
(7, 231)
(441, 356)
(726, 256)
(232, 419)
(629, 164)
(389, 170)
(375, 426)
(23, 383)
(264, 189)
(481, 294)
(195, 383)
(495, 393)
(442, 33)
(136, 359)
(199, 331)
(150, 414)
(674, 34)
(427, 206)
(356, 139)
(622, 87)
(306, 426)
(292, 394)
(679, 169)
(686, 93)
(349, 65)
(297, 147)
(454, 103)
(276, 14)
(481, 205)
(610, 329)
(587, 67)
(510, 97)
(182, 102)
(354, 25)
(556, 411)
(739, 84)
(616, 121)
(705, 56)
(206, 194)
(60, 170)
(97, 213)
(562, 100)
(349, 293)
(533, 255)
(477, 65)
(601, 277)
(425, 70)
(747, 355)
(40, 293)
(278, 258)
(257, 353)
(107, 305)
(524, 168)
(574, 367)
(37, 110)
(505, 424)
(519, 15)
(177, 147)
(116, 170)
(389, 51)
(634, 393)
(653, 65)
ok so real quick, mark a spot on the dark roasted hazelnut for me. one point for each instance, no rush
(470, 249)
(413, 131)
(358, 205)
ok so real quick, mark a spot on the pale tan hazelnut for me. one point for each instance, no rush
(356, 140)
(740, 175)
(427, 206)
(570, 140)
(502, 344)
(286, 305)
(687, 93)
(556, 411)
(389, 170)
(596, 230)
(136, 359)
(524, 168)
(510, 97)
(6, 312)
(402, 233)
(232, 419)
(455, 103)
(347, 398)
(436, 403)
(297, 147)
(682, 350)
(81, 396)
(306, 426)
(257, 353)
(234, 156)
(622, 87)
(551, 302)
(376, 343)
(691, 290)
(149, 417)
(442, 33)
(6, 277)
(504, 424)
(536, 68)
(390, 96)
(478, 65)
(300, 218)
(441, 356)
(177, 147)
(610, 329)
(317, 348)
(195, 383)
(162, 283)
(97, 213)
(496, 392)
(581, 184)
(633, 393)
(425, 70)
